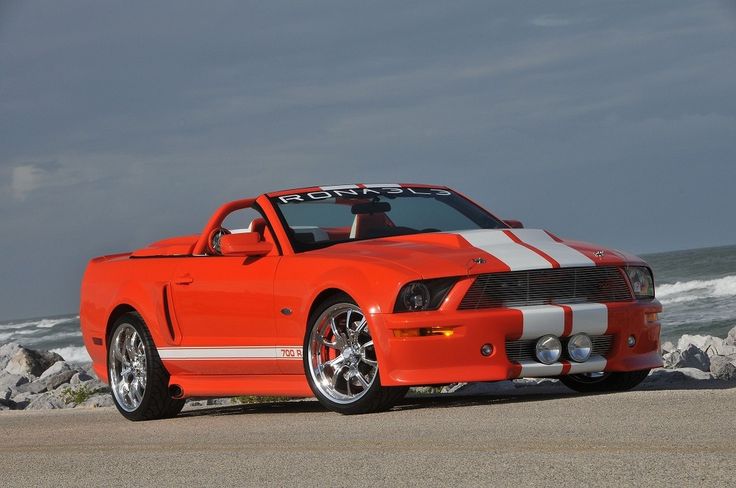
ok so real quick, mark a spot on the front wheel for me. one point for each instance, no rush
(138, 380)
(601, 382)
(340, 360)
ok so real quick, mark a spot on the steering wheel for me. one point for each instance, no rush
(213, 240)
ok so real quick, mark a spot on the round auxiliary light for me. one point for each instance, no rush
(486, 350)
(548, 349)
(631, 341)
(579, 348)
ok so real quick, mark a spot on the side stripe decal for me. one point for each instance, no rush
(231, 353)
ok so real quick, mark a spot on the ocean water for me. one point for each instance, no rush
(697, 289)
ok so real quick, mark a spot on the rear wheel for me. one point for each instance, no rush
(138, 380)
(600, 382)
(340, 360)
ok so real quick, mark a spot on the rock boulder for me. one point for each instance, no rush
(29, 362)
(722, 368)
(691, 357)
(48, 383)
(7, 351)
(46, 401)
(12, 381)
(731, 339)
(56, 368)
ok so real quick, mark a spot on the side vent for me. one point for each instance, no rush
(167, 313)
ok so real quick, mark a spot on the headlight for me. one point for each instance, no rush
(642, 281)
(423, 295)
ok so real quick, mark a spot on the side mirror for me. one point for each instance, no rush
(246, 244)
(514, 224)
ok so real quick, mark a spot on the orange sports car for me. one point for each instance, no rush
(354, 293)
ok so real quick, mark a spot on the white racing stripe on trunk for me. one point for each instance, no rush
(382, 185)
(541, 320)
(338, 187)
(499, 245)
(592, 365)
(562, 253)
(591, 318)
(535, 369)
(234, 353)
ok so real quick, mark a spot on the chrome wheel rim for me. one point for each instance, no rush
(342, 358)
(127, 367)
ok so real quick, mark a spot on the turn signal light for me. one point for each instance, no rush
(651, 316)
(424, 332)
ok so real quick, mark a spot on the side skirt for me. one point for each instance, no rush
(234, 385)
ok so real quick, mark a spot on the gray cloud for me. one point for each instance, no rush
(123, 123)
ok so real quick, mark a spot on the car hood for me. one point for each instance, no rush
(479, 251)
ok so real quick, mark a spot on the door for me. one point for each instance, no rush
(224, 309)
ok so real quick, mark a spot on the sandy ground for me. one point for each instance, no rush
(654, 438)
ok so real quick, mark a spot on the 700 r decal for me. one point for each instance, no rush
(290, 352)
(357, 192)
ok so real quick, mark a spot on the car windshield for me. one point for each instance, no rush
(329, 216)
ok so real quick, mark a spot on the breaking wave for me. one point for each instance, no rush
(38, 323)
(689, 291)
(73, 354)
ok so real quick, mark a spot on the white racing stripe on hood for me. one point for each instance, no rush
(562, 253)
(518, 257)
(499, 245)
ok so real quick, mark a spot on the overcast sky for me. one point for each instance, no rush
(124, 122)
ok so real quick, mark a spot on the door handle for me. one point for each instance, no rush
(183, 280)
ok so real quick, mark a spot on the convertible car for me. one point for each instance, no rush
(354, 293)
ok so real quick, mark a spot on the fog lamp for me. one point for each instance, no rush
(631, 341)
(548, 349)
(579, 348)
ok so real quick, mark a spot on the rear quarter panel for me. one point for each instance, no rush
(113, 281)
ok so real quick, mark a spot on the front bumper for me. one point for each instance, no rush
(439, 359)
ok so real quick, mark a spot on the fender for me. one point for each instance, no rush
(146, 300)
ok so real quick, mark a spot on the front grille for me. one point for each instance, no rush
(547, 286)
(523, 349)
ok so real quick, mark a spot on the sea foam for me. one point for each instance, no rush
(688, 291)
(73, 354)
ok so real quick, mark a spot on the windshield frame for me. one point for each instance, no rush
(297, 246)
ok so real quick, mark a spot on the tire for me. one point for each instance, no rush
(588, 383)
(138, 381)
(340, 360)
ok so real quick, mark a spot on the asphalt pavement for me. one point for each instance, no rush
(644, 438)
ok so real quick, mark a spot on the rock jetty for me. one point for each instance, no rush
(33, 380)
